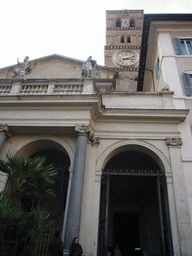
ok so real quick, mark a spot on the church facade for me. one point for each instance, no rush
(119, 135)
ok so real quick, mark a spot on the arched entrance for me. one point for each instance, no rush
(133, 205)
(56, 155)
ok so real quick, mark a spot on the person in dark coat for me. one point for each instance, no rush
(76, 249)
(56, 245)
(110, 251)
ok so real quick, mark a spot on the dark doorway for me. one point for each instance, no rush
(133, 204)
(126, 232)
(56, 205)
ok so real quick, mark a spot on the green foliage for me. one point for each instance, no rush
(31, 180)
(12, 216)
(29, 175)
(41, 223)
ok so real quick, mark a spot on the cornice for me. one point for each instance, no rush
(156, 115)
(122, 11)
(110, 47)
(124, 28)
(128, 69)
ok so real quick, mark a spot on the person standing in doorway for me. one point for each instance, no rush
(117, 251)
(56, 245)
(76, 249)
(110, 251)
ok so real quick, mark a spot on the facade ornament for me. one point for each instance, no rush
(5, 129)
(83, 129)
(174, 142)
(88, 68)
(22, 68)
(165, 87)
(94, 140)
(86, 130)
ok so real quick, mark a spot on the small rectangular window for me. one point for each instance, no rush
(188, 83)
(122, 39)
(157, 67)
(183, 46)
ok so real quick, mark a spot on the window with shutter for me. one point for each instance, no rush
(183, 46)
(188, 83)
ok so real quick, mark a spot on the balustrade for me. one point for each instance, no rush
(68, 88)
(33, 89)
(5, 89)
(37, 88)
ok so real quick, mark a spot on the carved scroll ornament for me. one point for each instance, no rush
(174, 142)
(5, 129)
(94, 140)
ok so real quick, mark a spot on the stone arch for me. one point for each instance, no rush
(118, 23)
(38, 143)
(140, 146)
(132, 23)
(124, 195)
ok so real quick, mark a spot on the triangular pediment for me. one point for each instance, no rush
(57, 67)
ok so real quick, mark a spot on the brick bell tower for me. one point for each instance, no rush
(123, 44)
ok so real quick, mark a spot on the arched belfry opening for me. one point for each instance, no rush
(134, 205)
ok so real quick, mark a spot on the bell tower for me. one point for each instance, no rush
(123, 43)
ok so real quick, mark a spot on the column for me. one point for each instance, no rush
(76, 192)
(4, 131)
(180, 193)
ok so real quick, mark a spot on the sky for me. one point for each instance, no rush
(72, 28)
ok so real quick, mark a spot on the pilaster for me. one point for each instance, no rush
(180, 194)
(4, 132)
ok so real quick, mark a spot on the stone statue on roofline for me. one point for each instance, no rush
(22, 68)
(88, 68)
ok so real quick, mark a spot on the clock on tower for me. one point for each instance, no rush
(123, 43)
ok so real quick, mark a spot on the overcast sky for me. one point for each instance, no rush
(72, 28)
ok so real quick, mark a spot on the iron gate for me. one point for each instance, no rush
(166, 237)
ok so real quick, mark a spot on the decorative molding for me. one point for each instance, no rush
(107, 47)
(121, 11)
(124, 28)
(174, 142)
(94, 140)
(5, 129)
(128, 69)
(83, 129)
(86, 130)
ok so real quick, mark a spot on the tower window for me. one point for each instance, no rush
(118, 23)
(122, 39)
(128, 39)
(132, 23)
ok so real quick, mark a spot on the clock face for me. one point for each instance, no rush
(125, 58)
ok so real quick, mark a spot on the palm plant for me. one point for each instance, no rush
(20, 213)
(29, 175)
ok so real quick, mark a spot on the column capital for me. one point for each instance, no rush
(83, 129)
(5, 129)
(174, 142)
